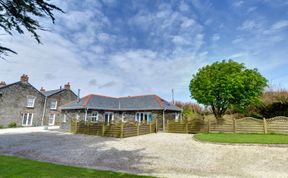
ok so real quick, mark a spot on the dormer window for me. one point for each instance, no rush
(30, 101)
(53, 104)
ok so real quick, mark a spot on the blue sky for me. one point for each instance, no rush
(121, 47)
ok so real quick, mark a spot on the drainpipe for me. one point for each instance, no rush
(85, 118)
(163, 120)
(44, 110)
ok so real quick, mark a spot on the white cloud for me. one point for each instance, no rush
(280, 24)
(215, 37)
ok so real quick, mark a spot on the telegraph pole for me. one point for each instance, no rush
(173, 96)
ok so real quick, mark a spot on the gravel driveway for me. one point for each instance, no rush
(162, 154)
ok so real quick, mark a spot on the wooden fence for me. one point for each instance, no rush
(245, 125)
(118, 130)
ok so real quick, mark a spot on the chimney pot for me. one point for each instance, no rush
(67, 86)
(24, 78)
(2, 84)
(42, 89)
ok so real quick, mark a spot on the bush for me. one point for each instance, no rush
(1, 126)
(12, 125)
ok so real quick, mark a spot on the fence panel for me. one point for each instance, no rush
(249, 125)
(225, 126)
(277, 125)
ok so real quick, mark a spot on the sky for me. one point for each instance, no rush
(125, 48)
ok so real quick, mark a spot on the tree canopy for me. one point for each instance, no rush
(23, 15)
(226, 84)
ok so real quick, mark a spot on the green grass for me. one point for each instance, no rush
(16, 167)
(243, 138)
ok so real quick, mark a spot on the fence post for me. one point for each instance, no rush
(208, 127)
(121, 130)
(103, 129)
(138, 128)
(150, 127)
(186, 127)
(265, 125)
(234, 125)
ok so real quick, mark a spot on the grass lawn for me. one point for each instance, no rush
(243, 138)
(15, 167)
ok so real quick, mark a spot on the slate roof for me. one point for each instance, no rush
(51, 92)
(145, 102)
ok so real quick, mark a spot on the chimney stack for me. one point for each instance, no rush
(42, 89)
(24, 78)
(67, 86)
(2, 84)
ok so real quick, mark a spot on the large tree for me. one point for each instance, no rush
(226, 84)
(23, 15)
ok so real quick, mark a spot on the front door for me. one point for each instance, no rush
(51, 119)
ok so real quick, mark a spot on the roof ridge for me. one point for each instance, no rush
(87, 100)
(158, 99)
(137, 96)
(103, 96)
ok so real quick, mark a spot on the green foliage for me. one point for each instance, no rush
(12, 125)
(11, 166)
(23, 15)
(226, 84)
(1, 126)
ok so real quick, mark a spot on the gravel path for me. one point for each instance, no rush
(162, 154)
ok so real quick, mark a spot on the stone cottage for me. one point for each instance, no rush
(98, 108)
(22, 103)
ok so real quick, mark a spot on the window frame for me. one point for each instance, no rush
(56, 103)
(177, 117)
(54, 118)
(91, 116)
(140, 117)
(33, 101)
(109, 119)
(27, 119)
(64, 118)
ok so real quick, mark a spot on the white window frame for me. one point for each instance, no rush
(177, 116)
(64, 118)
(77, 116)
(140, 116)
(49, 118)
(33, 98)
(123, 116)
(94, 117)
(55, 106)
(110, 119)
(27, 119)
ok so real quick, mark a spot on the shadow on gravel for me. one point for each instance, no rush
(78, 150)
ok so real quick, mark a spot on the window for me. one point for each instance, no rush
(64, 118)
(94, 116)
(123, 116)
(27, 119)
(143, 116)
(78, 116)
(177, 115)
(30, 101)
(53, 104)
(108, 117)
(51, 120)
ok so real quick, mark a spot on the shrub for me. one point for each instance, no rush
(1, 126)
(12, 125)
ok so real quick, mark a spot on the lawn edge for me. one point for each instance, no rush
(241, 144)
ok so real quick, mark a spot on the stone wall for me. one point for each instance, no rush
(13, 99)
(63, 97)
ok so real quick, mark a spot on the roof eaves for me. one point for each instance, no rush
(157, 98)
